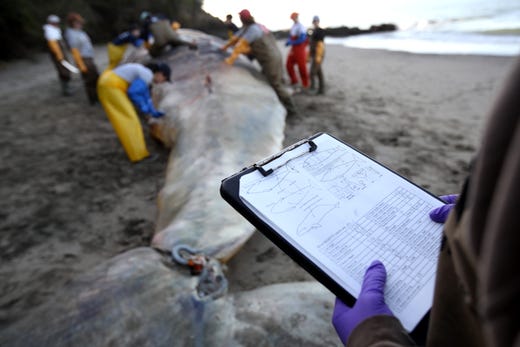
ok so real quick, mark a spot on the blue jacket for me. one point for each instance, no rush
(300, 39)
(127, 37)
(140, 95)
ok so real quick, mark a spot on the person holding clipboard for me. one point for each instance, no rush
(477, 291)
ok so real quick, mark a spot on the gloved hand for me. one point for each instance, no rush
(157, 114)
(440, 214)
(153, 122)
(229, 60)
(287, 43)
(371, 302)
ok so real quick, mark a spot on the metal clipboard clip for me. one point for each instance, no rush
(260, 165)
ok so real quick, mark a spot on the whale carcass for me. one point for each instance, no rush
(140, 299)
(219, 119)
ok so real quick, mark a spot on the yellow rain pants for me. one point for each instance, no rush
(112, 94)
(115, 54)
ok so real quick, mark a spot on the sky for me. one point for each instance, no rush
(275, 13)
(361, 13)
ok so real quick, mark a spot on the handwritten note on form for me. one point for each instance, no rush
(344, 210)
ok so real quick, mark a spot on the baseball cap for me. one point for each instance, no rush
(52, 18)
(165, 70)
(74, 17)
(245, 14)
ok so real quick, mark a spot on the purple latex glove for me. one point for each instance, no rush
(371, 302)
(440, 214)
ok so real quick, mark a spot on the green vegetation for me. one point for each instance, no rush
(21, 21)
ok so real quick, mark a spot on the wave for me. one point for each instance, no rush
(429, 42)
(506, 20)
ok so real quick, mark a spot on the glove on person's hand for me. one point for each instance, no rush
(157, 114)
(371, 302)
(287, 43)
(229, 60)
(440, 214)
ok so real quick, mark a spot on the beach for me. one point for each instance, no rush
(71, 199)
(420, 115)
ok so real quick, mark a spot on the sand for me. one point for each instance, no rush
(70, 198)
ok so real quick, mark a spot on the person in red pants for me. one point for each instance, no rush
(297, 55)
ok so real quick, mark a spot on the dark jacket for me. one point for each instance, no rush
(477, 291)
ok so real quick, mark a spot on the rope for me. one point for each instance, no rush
(212, 282)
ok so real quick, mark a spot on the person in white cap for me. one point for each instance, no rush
(56, 46)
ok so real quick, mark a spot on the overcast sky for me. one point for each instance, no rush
(361, 13)
(275, 13)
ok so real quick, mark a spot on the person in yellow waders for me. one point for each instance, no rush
(118, 46)
(118, 89)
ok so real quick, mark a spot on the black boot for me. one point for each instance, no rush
(65, 88)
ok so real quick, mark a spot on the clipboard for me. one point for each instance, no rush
(332, 160)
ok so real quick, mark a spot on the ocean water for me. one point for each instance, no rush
(490, 27)
(446, 27)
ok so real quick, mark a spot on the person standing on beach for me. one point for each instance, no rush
(317, 53)
(83, 53)
(297, 54)
(231, 27)
(123, 88)
(476, 299)
(52, 34)
(256, 40)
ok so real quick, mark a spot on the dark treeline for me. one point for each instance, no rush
(345, 31)
(21, 21)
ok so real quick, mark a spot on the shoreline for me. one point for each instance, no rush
(442, 54)
(435, 43)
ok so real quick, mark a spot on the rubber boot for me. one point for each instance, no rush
(65, 88)
(290, 107)
(321, 81)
